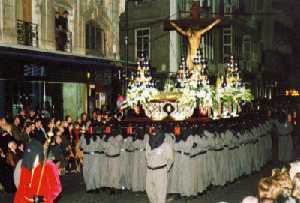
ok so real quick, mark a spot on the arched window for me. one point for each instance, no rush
(95, 39)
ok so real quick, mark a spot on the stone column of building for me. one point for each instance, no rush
(173, 39)
(78, 35)
(115, 19)
(44, 15)
(8, 15)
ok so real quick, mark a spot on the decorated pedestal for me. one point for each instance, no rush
(190, 90)
(160, 110)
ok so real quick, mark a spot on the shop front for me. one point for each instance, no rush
(59, 84)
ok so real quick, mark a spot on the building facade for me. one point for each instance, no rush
(59, 54)
(146, 33)
(165, 49)
(275, 29)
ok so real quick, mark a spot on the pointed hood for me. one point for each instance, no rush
(33, 150)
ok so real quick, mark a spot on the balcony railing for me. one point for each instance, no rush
(63, 40)
(27, 33)
(68, 47)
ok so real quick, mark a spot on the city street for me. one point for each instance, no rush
(116, 88)
(73, 192)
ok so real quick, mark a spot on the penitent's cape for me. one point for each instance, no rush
(50, 186)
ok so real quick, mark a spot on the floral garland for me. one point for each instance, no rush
(191, 96)
(188, 98)
(231, 93)
(234, 94)
(205, 96)
(139, 95)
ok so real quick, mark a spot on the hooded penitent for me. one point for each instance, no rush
(33, 150)
(156, 138)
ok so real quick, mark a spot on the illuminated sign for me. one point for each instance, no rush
(31, 70)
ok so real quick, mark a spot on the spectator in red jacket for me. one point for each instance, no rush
(39, 178)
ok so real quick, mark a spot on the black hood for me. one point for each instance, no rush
(185, 134)
(156, 139)
(97, 130)
(116, 129)
(34, 148)
(140, 132)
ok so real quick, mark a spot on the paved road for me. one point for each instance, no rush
(73, 192)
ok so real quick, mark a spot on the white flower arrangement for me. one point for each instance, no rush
(236, 94)
(188, 98)
(139, 94)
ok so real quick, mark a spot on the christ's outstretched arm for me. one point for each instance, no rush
(179, 29)
(209, 27)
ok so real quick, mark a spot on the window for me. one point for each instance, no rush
(62, 34)
(227, 10)
(208, 46)
(227, 39)
(95, 38)
(281, 34)
(142, 42)
(227, 43)
(231, 6)
(238, 45)
(227, 7)
(247, 47)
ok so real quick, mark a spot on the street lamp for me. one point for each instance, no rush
(126, 40)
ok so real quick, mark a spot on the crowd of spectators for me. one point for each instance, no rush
(63, 136)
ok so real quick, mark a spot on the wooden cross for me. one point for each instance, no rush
(195, 20)
(193, 29)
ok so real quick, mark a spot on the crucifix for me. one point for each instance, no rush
(193, 28)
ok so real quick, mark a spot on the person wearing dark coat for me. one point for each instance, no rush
(16, 129)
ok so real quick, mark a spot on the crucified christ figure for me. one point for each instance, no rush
(194, 39)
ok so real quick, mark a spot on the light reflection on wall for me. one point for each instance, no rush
(292, 92)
